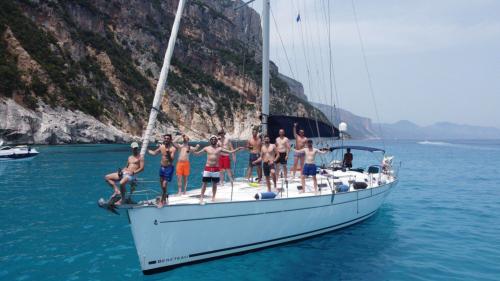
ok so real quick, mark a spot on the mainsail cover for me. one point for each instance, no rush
(277, 122)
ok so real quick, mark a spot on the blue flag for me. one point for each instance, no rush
(298, 17)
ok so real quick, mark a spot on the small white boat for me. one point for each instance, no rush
(17, 153)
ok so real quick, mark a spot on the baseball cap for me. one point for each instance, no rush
(134, 145)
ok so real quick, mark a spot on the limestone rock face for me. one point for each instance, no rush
(53, 126)
(74, 68)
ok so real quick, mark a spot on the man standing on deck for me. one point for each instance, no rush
(211, 171)
(310, 168)
(347, 161)
(269, 155)
(300, 142)
(135, 165)
(224, 160)
(167, 151)
(183, 168)
(254, 145)
(283, 146)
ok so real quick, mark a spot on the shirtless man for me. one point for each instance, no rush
(300, 142)
(310, 165)
(254, 144)
(347, 161)
(211, 171)
(182, 170)
(135, 165)
(269, 155)
(224, 160)
(283, 146)
(167, 151)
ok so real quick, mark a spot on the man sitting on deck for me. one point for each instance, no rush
(310, 168)
(135, 165)
(183, 167)
(211, 171)
(300, 143)
(166, 165)
(269, 155)
(347, 161)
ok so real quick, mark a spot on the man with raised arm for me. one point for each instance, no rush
(310, 164)
(269, 155)
(224, 160)
(254, 144)
(167, 151)
(135, 165)
(283, 146)
(183, 167)
(211, 171)
(300, 142)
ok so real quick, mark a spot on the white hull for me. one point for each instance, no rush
(17, 153)
(187, 233)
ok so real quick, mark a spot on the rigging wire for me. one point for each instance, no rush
(370, 84)
(335, 114)
(323, 93)
(283, 45)
(333, 83)
(308, 74)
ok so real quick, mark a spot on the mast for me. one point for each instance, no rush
(265, 64)
(162, 81)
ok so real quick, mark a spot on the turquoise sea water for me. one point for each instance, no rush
(442, 222)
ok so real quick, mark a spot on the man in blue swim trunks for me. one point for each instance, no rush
(310, 164)
(135, 165)
(167, 151)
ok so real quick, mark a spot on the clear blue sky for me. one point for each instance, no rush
(429, 60)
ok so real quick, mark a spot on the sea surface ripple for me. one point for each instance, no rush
(442, 222)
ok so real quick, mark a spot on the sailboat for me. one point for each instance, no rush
(243, 219)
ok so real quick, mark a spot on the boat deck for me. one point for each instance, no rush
(243, 190)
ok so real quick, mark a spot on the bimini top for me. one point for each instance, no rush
(357, 147)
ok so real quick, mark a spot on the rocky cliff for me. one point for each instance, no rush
(85, 70)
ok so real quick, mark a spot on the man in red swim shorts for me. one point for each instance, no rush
(224, 160)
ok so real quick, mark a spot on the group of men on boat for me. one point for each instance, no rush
(269, 159)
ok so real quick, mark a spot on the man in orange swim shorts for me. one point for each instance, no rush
(182, 169)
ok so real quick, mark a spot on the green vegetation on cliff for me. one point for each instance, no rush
(10, 79)
(216, 72)
(43, 48)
